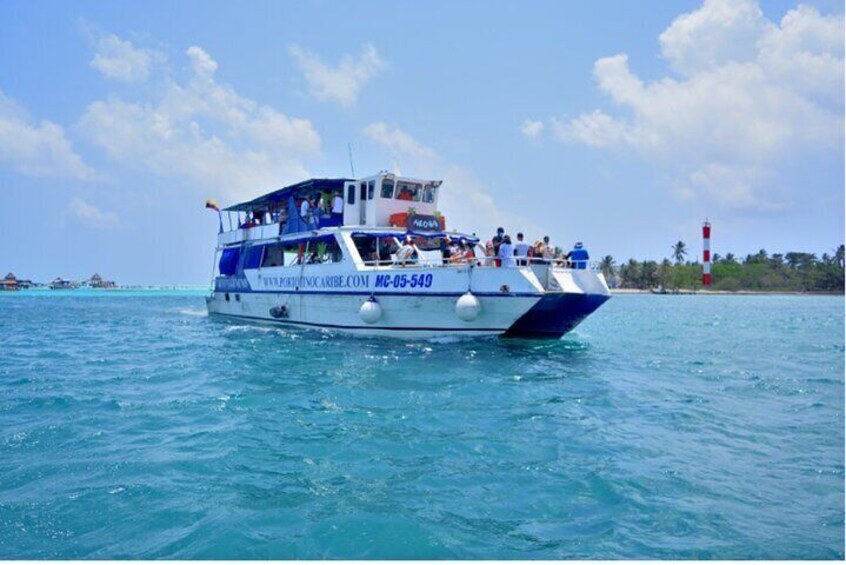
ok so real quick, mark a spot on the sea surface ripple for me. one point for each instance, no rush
(132, 425)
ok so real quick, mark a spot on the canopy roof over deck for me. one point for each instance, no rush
(279, 197)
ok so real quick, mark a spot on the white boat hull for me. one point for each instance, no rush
(513, 302)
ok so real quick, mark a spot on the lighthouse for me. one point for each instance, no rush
(706, 254)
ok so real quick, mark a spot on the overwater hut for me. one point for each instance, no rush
(10, 282)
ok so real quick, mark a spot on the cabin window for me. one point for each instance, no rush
(229, 261)
(429, 192)
(253, 258)
(371, 187)
(273, 256)
(387, 188)
(293, 253)
(372, 249)
(324, 251)
(408, 191)
(362, 196)
(351, 194)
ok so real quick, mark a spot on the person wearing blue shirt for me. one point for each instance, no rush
(578, 257)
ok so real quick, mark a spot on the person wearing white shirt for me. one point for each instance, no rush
(506, 252)
(307, 212)
(338, 206)
(406, 252)
(548, 250)
(521, 250)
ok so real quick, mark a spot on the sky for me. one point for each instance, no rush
(620, 124)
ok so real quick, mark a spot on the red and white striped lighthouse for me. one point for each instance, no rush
(706, 254)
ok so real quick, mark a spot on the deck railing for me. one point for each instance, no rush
(479, 262)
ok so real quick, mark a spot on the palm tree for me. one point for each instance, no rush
(629, 273)
(608, 267)
(665, 270)
(838, 255)
(679, 251)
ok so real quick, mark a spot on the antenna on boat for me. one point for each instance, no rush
(352, 169)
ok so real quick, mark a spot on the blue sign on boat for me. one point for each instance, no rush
(422, 222)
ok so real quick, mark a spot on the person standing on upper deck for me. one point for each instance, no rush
(521, 250)
(338, 207)
(506, 252)
(548, 250)
(307, 212)
(578, 257)
(497, 241)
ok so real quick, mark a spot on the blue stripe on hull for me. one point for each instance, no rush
(555, 314)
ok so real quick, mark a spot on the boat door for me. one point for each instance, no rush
(351, 206)
(362, 203)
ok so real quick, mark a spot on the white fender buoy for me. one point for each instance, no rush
(467, 307)
(370, 311)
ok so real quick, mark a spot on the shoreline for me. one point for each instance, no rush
(687, 292)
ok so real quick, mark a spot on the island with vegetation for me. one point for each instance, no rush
(761, 272)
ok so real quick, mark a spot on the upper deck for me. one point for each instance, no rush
(382, 200)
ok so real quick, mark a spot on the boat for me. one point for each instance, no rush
(364, 256)
(63, 284)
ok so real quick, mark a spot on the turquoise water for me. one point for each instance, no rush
(132, 425)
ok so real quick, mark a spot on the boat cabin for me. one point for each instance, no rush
(381, 200)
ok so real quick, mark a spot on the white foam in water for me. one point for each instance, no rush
(193, 312)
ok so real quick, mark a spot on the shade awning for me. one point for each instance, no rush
(277, 197)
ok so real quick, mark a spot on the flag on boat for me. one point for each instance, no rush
(213, 205)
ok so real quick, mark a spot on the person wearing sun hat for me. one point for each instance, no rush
(578, 257)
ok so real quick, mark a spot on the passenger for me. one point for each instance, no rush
(446, 249)
(404, 194)
(559, 259)
(521, 251)
(338, 207)
(469, 252)
(497, 241)
(578, 256)
(406, 252)
(458, 254)
(373, 251)
(489, 254)
(548, 250)
(307, 211)
(506, 252)
(385, 250)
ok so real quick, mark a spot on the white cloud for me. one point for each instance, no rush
(596, 129)
(399, 142)
(750, 94)
(343, 82)
(532, 129)
(120, 60)
(91, 216)
(40, 150)
(464, 199)
(205, 133)
(719, 32)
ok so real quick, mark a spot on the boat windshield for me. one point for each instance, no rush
(408, 191)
